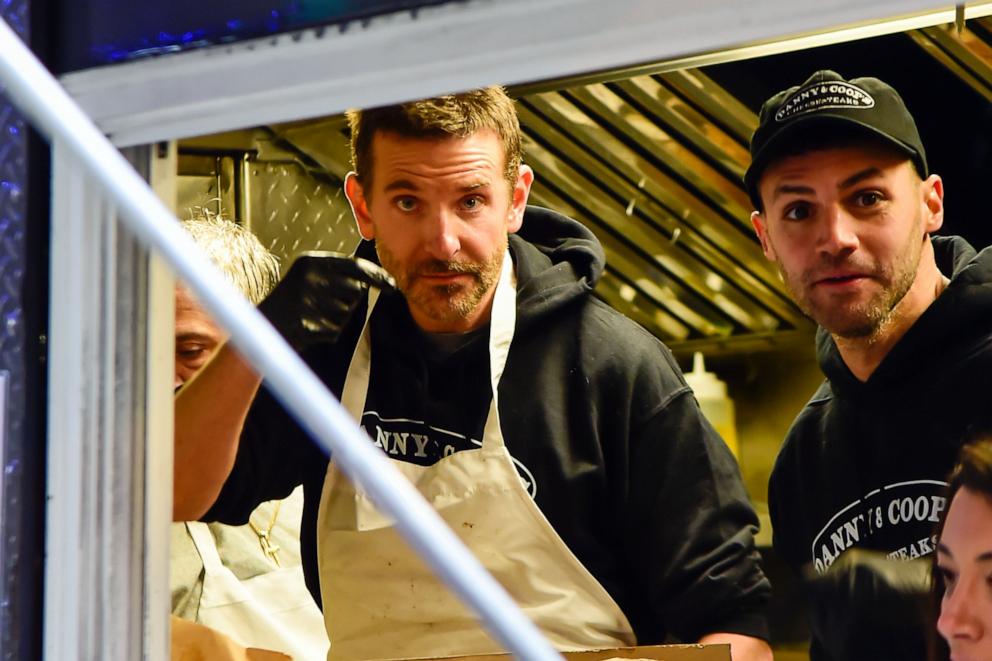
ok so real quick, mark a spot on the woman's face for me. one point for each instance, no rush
(964, 560)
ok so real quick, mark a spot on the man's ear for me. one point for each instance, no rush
(933, 199)
(518, 198)
(761, 229)
(359, 206)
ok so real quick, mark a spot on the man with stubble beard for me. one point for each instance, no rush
(846, 206)
(557, 438)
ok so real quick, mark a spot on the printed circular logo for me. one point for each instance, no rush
(897, 518)
(822, 96)
(416, 442)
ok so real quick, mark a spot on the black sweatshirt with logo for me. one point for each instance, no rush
(604, 431)
(864, 464)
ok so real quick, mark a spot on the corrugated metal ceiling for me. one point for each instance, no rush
(652, 164)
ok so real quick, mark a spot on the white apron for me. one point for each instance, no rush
(381, 601)
(272, 611)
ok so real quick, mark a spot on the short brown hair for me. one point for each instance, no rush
(454, 115)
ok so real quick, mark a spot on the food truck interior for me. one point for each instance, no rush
(649, 157)
(651, 161)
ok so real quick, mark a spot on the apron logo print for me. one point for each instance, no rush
(412, 441)
(399, 443)
(415, 442)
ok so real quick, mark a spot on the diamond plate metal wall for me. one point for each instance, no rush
(16, 522)
(291, 212)
(291, 208)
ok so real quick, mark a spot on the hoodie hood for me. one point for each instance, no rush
(960, 317)
(558, 261)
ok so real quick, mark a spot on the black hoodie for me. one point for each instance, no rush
(865, 463)
(597, 416)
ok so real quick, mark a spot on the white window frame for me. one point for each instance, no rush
(109, 477)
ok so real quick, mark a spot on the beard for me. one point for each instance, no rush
(450, 302)
(866, 316)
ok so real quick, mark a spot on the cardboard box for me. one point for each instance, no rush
(656, 652)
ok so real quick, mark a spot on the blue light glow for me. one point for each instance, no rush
(150, 29)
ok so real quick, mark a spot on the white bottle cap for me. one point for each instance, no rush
(704, 384)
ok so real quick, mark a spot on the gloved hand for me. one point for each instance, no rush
(315, 300)
(867, 606)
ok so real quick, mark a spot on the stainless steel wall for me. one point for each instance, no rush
(290, 204)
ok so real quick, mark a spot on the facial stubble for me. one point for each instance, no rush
(868, 320)
(445, 303)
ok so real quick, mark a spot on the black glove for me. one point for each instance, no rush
(315, 300)
(867, 606)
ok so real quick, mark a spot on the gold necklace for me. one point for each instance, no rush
(270, 549)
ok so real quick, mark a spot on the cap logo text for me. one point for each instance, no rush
(824, 95)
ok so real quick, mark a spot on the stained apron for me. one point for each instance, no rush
(381, 601)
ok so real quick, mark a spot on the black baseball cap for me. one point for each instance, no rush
(826, 99)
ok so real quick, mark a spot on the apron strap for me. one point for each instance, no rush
(205, 545)
(503, 322)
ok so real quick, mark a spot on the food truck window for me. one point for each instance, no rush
(650, 158)
(651, 163)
